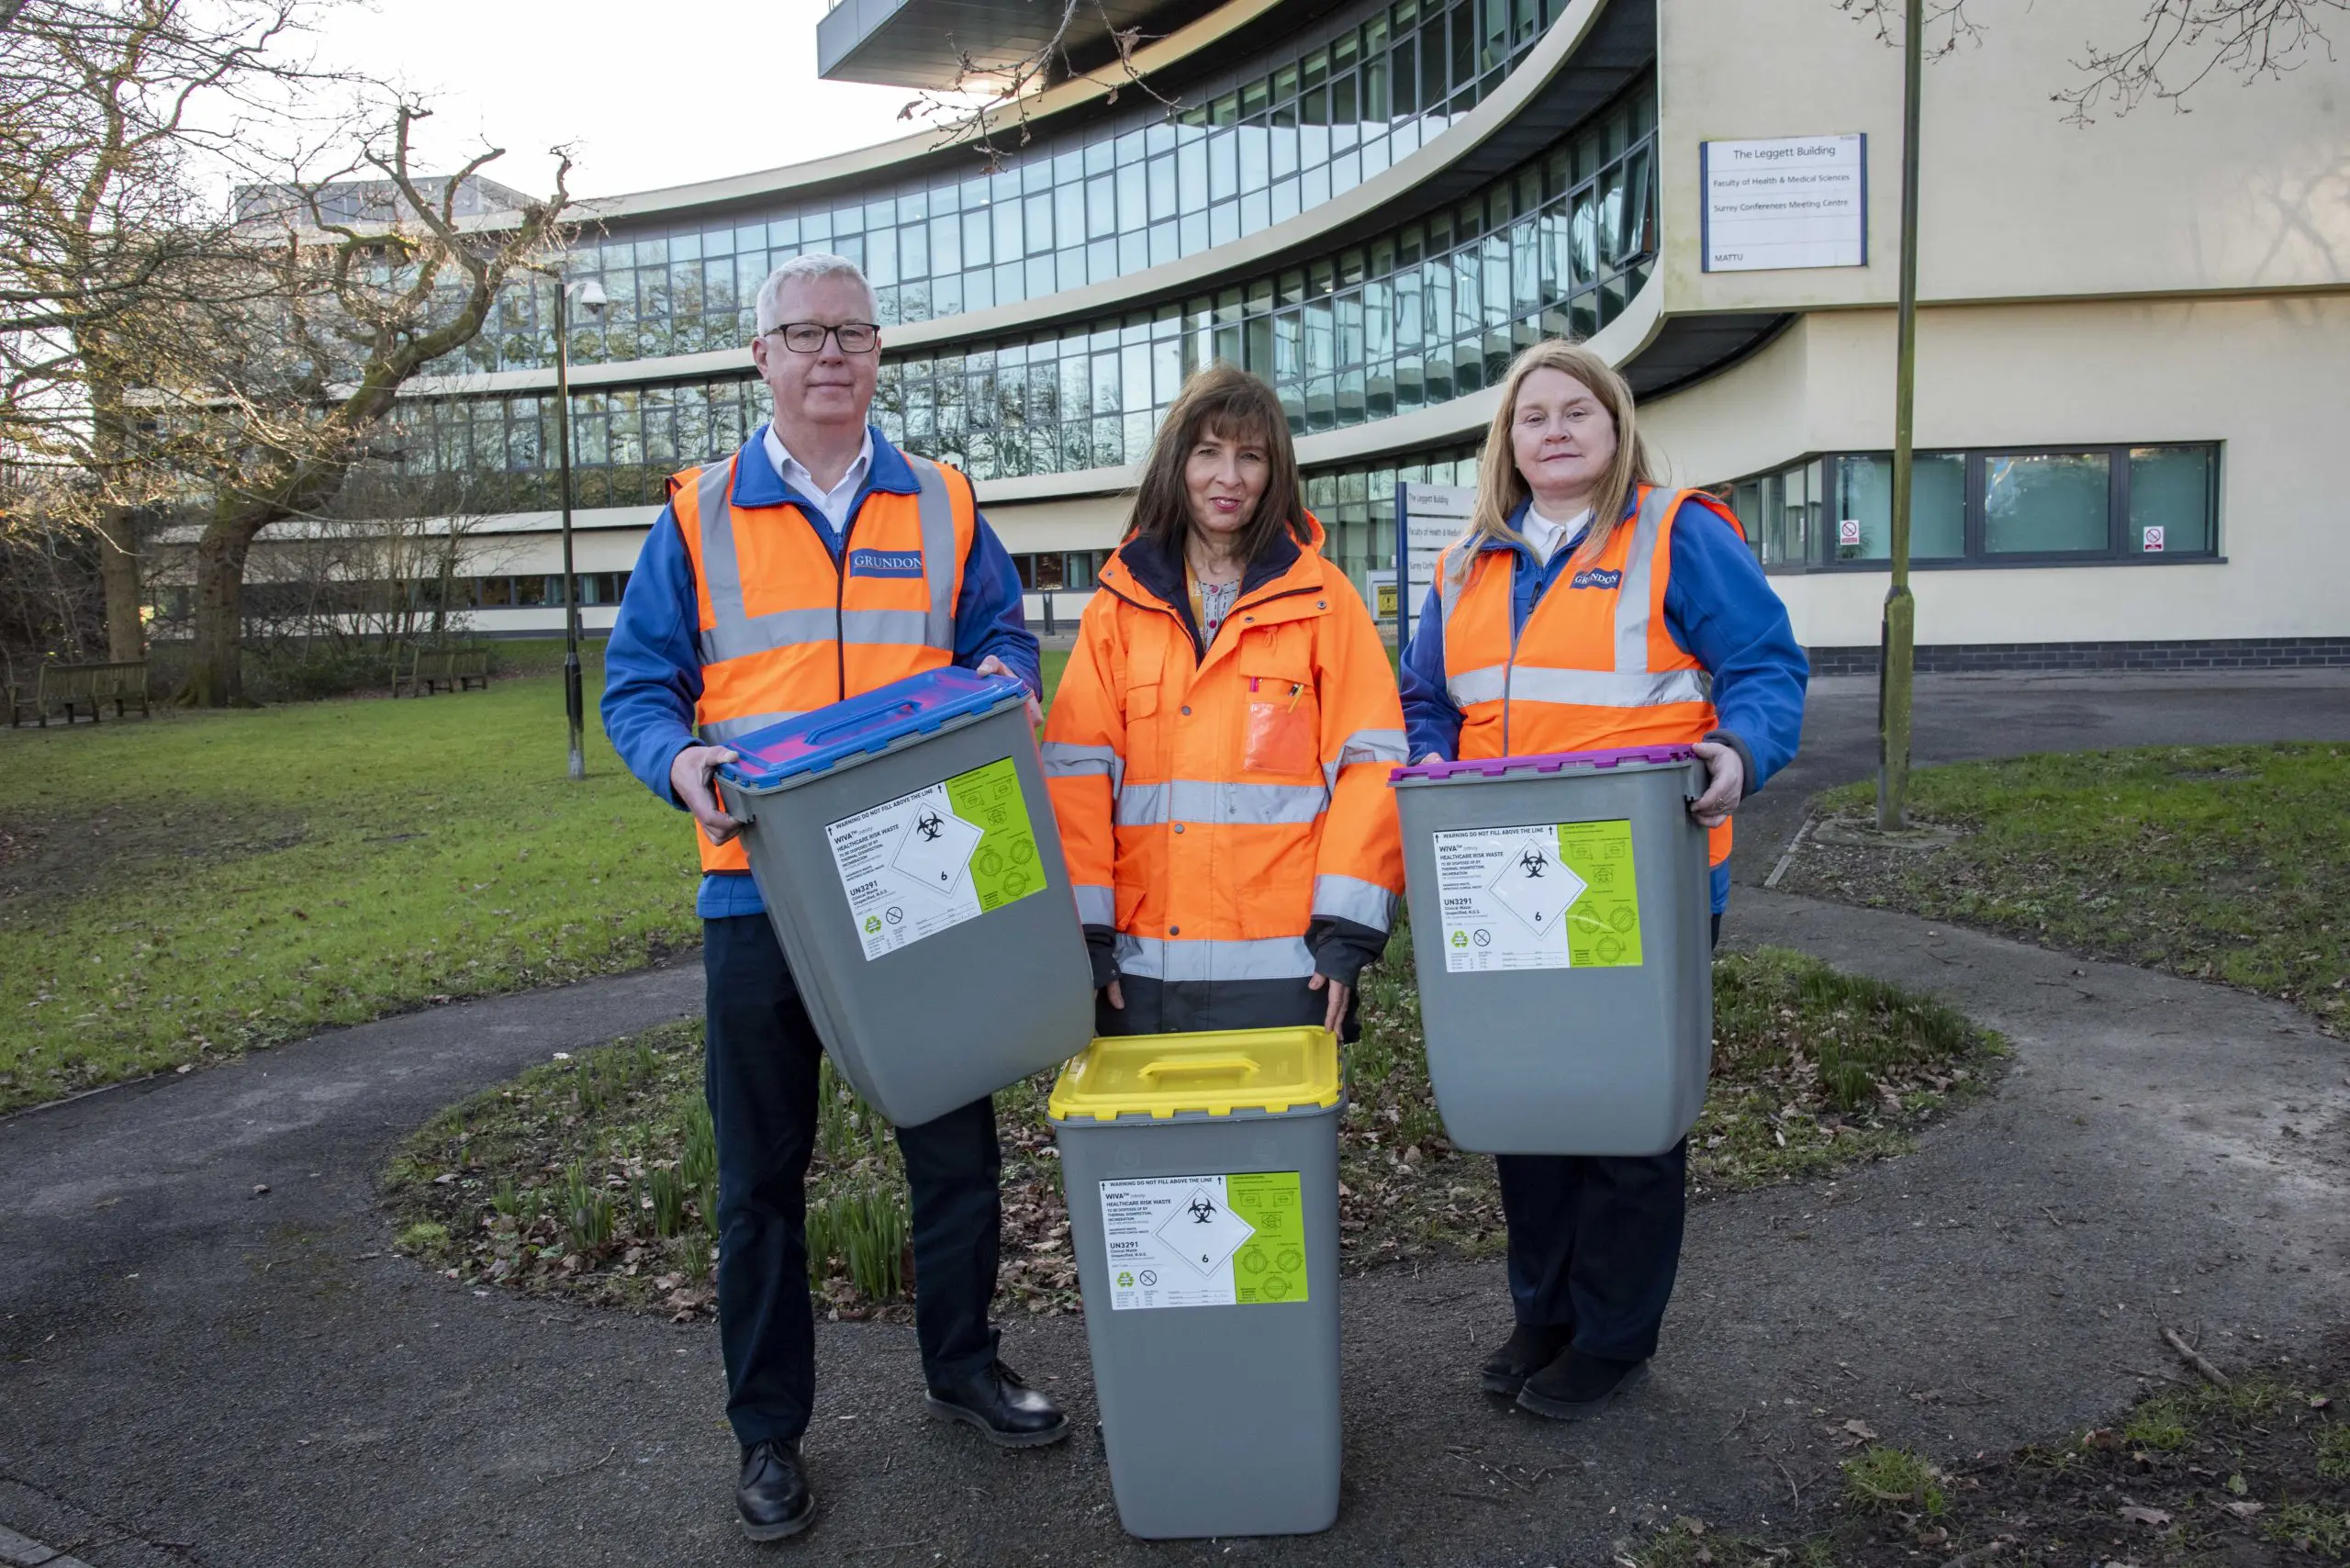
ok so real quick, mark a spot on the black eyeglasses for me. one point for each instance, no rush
(807, 337)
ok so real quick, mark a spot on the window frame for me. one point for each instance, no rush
(1819, 548)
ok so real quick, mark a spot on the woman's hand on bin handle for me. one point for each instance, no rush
(1725, 784)
(1340, 995)
(689, 773)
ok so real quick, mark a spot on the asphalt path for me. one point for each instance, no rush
(196, 1370)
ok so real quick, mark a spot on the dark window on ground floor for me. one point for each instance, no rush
(1988, 507)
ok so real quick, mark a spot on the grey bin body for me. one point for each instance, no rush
(1574, 1060)
(1218, 1420)
(963, 1013)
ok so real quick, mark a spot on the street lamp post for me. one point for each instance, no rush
(591, 296)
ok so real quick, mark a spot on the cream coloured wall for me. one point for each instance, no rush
(2250, 190)
(2267, 377)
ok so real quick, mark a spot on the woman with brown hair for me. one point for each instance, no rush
(1589, 609)
(1219, 746)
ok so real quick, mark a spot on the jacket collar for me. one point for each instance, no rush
(1566, 546)
(757, 484)
(1156, 571)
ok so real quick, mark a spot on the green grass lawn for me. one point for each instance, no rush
(193, 885)
(2219, 863)
(592, 1177)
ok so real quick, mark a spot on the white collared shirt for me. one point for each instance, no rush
(834, 503)
(1546, 536)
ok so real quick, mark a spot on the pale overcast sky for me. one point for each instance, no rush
(649, 93)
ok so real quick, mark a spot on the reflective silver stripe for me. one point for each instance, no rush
(1485, 685)
(722, 571)
(1096, 905)
(765, 633)
(1205, 800)
(1352, 898)
(1608, 689)
(885, 626)
(1063, 760)
(1271, 957)
(937, 506)
(1449, 587)
(1366, 746)
(719, 730)
(1640, 570)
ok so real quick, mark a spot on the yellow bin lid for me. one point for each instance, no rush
(1217, 1072)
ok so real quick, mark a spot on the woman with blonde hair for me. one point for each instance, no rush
(1219, 746)
(1588, 608)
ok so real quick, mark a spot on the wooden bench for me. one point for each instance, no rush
(434, 669)
(63, 688)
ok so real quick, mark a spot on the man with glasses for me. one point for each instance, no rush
(816, 563)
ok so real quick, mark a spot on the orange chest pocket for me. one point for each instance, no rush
(1281, 726)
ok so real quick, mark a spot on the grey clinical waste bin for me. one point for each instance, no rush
(1201, 1172)
(1561, 922)
(905, 848)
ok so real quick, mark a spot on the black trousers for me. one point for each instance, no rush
(761, 1056)
(1594, 1242)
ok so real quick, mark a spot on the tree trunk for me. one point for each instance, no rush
(216, 665)
(119, 572)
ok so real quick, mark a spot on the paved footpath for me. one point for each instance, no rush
(193, 1372)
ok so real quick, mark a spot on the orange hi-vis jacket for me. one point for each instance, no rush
(784, 628)
(1225, 812)
(1595, 668)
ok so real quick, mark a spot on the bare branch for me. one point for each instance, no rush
(2180, 43)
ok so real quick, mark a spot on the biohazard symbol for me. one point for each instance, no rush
(1534, 862)
(929, 826)
(1202, 1211)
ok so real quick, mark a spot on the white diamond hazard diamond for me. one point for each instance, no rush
(1203, 1232)
(1536, 885)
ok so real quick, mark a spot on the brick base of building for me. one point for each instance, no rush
(1983, 658)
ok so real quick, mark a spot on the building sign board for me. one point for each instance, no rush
(1793, 201)
(1428, 517)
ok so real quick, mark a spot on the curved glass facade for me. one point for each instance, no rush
(1415, 317)
(1140, 190)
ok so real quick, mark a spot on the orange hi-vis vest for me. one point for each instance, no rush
(785, 628)
(1212, 806)
(1595, 667)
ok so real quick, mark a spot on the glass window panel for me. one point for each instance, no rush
(1068, 215)
(1864, 508)
(979, 230)
(881, 257)
(1038, 225)
(1255, 157)
(946, 245)
(2172, 496)
(1191, 176)
(913, 251)
(2044, 502)
(1224, 166)
(1133, 199)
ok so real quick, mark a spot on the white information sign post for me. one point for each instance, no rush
(1427, 518)
(1797, 201)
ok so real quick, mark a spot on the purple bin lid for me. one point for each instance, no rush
(1542, 762)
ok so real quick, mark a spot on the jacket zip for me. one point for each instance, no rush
(840, 600)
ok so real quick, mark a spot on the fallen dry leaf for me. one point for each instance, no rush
(1862, 1430)
(2244, 1510)
(2139, 1513)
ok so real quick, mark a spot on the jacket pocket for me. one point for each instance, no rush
(1281, 717)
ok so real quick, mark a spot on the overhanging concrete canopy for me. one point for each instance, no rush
(923, 43)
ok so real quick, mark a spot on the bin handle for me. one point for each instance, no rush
(825, 734)
(1202, 1067)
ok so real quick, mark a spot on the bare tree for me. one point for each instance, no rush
(110, 260)
(299, 391)
(2175, 46)
(988, 98)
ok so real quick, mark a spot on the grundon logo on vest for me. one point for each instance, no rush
(1595, 578)
(885, 563)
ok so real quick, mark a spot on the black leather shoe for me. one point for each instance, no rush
(1007, 1412)
(773, 1497)
(1576, 1386)
(1529, 1351)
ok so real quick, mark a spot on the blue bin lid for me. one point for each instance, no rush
(918, 705)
